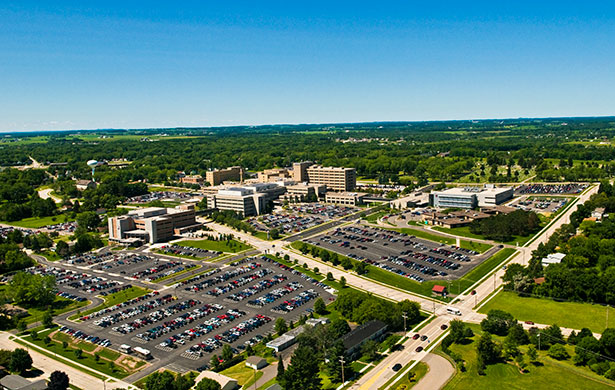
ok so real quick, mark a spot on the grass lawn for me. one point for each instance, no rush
(374, 217)
(114, 299)
(404, 383)
(232, 246)
(546, 311)
(547, 374)
(59, 306)
(50, 255)
(475, 246)
(167, 277)
(244, 375)
(35, 222)
(87, 359)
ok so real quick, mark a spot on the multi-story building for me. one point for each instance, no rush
(334, 178)
(192, 179)
(218, 176)
(300, 171)
(152, 224)
(303, 192)
(269, 175)
(345, 198)
(470, 197)
(243, 201)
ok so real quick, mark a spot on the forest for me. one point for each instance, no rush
(496, 151)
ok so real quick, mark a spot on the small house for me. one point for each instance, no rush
(256, 362)
(439, 290)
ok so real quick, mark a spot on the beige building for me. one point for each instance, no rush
(269, 175)
(193, 179)
(345, 198)
(334, 178)
(152, 224)
(218, 176)
(301, 192)
(300, 171)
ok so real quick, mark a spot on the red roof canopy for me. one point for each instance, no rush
(439, 289)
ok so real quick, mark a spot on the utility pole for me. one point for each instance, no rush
(494, 280)
(607, 317)
(538, 341)
(342, 361)
(405, 315)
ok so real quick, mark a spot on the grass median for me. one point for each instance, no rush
(229, 246)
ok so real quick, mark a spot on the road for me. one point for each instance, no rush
(440, 371)
(465, 302)
(46, 193)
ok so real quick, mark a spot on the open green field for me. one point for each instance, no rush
(548, 374)
(60, 305)
(114, 299)
(546, 311)
(231, 246)
(35, 222)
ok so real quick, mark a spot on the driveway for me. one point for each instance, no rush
(440, 371)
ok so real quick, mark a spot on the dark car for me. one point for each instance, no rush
(444, 326)
(397, 347)
(396, 367)
(423, 337)
(416, 336)
(419, 349)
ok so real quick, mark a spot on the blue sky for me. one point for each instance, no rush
(128, 64)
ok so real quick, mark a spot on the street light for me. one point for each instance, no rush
(342, 361)
(405, 315)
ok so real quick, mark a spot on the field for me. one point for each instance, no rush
(546, 374)
(35, 222)
(231, 246)
(545, 311)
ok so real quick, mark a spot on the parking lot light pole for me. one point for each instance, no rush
(405, 315)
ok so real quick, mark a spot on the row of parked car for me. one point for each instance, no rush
(274, 295)
(257, 288)
(70, 296)
(175, 249)
(129, 302)
(85, 337)
(110, 260)
(223, 277)
(297, 301)
(147, 273)
(156, 316)
(242, 281)
(203, 329)
(229, 336)
(130, 312)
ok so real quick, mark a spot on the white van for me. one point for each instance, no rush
(454, 311)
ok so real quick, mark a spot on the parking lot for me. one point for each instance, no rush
(188, 322)
(297, 218)
(408, 256)
(198, 253)
(160, 195)
(540, 204)
(553, 189)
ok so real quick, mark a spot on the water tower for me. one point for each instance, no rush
(93, 164)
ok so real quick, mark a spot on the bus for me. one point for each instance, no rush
(454, 311)
(143, 353)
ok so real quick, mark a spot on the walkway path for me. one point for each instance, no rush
(440, 371)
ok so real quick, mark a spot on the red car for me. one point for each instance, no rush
(416, 336)
(529, 322)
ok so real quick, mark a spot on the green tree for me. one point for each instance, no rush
(78, 353)
(47, 319)
(369, 350)
(280, 326)
(586, 349)
(320, 307)
(58, 380)
(302, 373)
(88, 220)
(497, 322)
(160, 381)
(532, 353)
(227, 353)
(208, 384)
(558, 352)
(488, 350)
(20, 361)
(215, 362)
(343, 282)
(280, 376)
